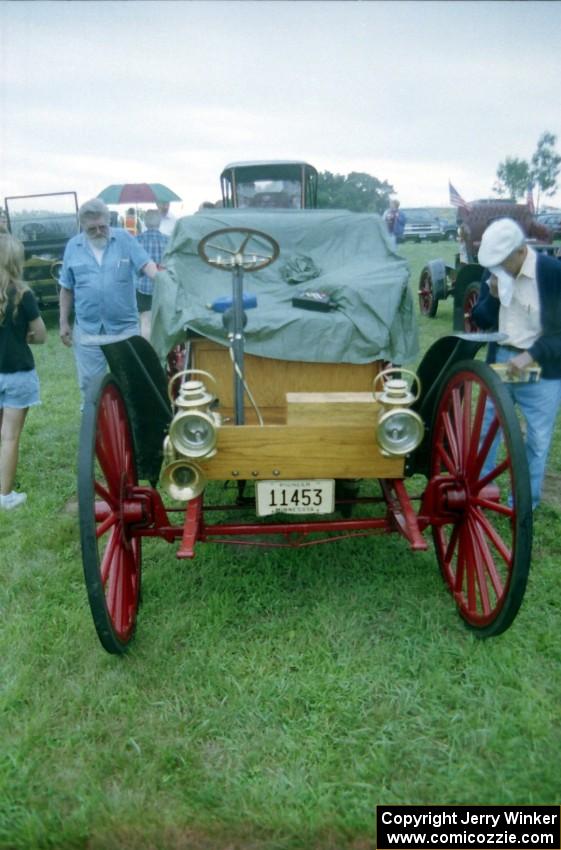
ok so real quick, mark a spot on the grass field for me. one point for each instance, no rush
(271, 698)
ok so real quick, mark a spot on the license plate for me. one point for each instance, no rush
(295, 497)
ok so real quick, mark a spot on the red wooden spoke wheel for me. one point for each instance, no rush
(111, 553)
(481, 506)
(176, 360)
(428, 303)
(471, 295)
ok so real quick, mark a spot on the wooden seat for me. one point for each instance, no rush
(270, 380)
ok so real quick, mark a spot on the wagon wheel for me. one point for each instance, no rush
(111, 553)
(432, 287)
(471, 294)
(481, 508)
(254, 249)
(428, 303)
(176, 360)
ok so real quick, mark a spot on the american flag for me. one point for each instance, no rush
(530, 198)
(455, 198)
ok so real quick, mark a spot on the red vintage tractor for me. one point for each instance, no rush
(438, 280)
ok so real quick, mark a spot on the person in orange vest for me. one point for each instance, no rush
(131, 222)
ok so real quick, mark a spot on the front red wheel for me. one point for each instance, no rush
(109, 511)
(481, 510)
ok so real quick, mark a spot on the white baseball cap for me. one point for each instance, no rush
(501, 238)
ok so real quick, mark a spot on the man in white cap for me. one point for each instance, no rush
(521, 297)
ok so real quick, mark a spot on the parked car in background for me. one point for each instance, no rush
(551, 220)
(448, 229)
(273, 184)
(421, 225)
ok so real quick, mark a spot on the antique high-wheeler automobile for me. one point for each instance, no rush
(294, 421)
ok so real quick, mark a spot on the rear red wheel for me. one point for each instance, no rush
(471, 295)
(109, 510)
(428, 303)
(176, 360)
(481, 506)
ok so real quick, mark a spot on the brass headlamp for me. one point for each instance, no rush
(193, 430)
(192, 434)
(399, 430)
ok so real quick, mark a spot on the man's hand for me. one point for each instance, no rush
(65, 306)
(150, 270)
(516, 366)
(66, 333)
(493, 285)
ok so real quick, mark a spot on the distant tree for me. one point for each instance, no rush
(513, 177)
(356, 191)
(545, 165)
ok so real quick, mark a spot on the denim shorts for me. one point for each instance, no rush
(19, 389)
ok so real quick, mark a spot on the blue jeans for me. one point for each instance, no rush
(90, 359)
(539, 404)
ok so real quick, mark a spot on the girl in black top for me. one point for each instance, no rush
(20, 324)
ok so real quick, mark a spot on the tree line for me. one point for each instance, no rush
(356, 191)
(516, 176)
(362, 192)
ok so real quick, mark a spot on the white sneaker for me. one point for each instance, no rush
(12, 500)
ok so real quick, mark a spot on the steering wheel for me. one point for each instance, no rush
(250, 255)
(34, 230)
(56, 269)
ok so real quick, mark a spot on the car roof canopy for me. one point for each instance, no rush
(282, 169)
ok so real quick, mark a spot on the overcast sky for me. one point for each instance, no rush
(415, 93)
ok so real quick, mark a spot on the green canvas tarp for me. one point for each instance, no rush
(346, 255)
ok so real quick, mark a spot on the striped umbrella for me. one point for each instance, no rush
(137, 193)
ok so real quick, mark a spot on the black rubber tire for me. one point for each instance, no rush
(483, 546)
(111, 556)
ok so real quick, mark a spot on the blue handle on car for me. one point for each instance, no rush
(220, 305)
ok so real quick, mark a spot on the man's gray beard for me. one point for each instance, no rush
(99, 242)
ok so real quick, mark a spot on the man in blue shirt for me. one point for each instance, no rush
(97, 281)
(154, 243)
(395, 221)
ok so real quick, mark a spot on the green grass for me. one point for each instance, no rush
(271, 698)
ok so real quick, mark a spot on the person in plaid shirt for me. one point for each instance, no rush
(154, 243)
